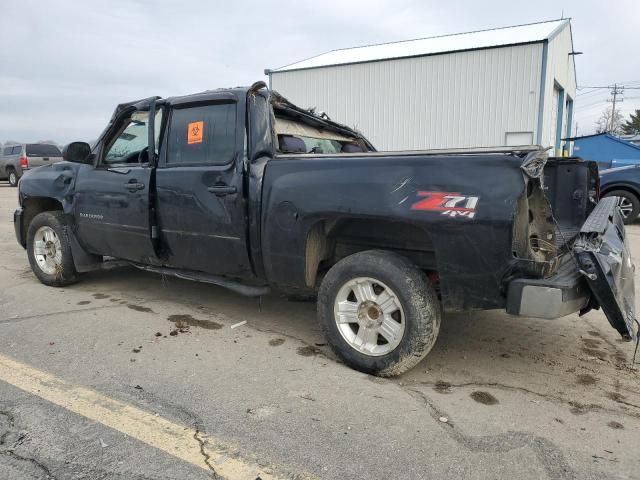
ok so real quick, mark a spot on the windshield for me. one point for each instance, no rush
(321, 145)
(43, 150)
(299, 137)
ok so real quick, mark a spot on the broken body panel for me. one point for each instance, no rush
(493, 228)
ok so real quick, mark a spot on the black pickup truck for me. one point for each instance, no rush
(241, 188)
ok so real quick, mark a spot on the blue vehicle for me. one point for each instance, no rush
(624, 183)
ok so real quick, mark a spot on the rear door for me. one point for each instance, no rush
(39, 154)
(199, 181)
(112, 199)
(12, 156)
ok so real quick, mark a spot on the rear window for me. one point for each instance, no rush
(43, 150)
(203, 134)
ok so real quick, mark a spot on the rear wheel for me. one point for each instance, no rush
(49, 250)
(379, 312)
(12, 175)
(628, 203)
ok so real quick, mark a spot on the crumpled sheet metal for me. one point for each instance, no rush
(533, 164)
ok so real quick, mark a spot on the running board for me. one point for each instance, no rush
(241, 288)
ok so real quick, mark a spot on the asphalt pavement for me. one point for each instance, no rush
(131, 375)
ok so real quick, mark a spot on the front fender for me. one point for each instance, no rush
(55, 181)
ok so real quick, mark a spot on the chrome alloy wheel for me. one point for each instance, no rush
(369, 316)
(47, 250)
(625, 205)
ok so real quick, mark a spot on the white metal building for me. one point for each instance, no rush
(507, 86)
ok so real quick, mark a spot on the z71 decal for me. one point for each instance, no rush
(451, 204)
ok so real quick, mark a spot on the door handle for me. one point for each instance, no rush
(133, 186)
(220, 190)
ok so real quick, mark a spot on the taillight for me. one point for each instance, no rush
(24, 163)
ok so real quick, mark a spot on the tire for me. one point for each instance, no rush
(629, 204)
(12, 176)
(407, 297)
(49, 250)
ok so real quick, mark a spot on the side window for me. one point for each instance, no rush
(203, 134)
(129, 144)
(7, 150)
(17, 150)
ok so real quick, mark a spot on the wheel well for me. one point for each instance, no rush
(621, 187)
(329, 241)
(35, 205)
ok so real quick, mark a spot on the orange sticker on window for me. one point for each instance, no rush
(194, 132)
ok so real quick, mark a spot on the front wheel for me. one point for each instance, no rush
(49, 250)
(628, 203)
(379, 312)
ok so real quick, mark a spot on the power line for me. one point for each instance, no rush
(588, 109)
(582, 87)
(592, 101)
(590, 92)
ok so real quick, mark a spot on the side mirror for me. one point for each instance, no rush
(77, 152)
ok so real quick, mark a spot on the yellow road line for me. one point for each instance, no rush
(177, 440)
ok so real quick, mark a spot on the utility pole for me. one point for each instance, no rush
(615, 92)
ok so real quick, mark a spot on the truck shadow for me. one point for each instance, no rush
(575, 355)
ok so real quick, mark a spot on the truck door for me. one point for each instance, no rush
(112, 198)
(199, 184)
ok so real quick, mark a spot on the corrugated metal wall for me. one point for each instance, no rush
(560, 71)
(462, 99)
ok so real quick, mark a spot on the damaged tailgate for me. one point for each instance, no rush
(603, 254)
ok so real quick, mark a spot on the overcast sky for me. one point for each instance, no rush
(64, 65)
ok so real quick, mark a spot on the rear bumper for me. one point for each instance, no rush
(17, 225)
(565, 293)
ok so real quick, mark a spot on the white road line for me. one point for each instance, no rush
(172, 438)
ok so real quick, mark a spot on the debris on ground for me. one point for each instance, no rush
(484, 398)
(184, 321)
(239, 324)
(140, 308)
(308, 351)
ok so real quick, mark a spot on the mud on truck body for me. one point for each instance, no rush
(241, 188)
